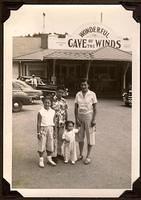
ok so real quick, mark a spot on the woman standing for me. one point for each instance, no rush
(60, 106)
(85, 117)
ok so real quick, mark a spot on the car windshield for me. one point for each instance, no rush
(40, 82)
(24, 85)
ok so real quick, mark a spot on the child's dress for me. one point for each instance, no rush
(69, 148)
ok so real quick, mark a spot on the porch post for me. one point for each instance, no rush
(20, 68)
(53, 78)
(124, 76)
(88, 69)
(27, 72)
(45, 67)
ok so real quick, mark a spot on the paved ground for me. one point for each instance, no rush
(111, 165)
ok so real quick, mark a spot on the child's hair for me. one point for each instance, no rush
(47, 97)
(69, 122)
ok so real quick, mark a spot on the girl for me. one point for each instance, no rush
(60, 106)
(45, 131)
(69, 143)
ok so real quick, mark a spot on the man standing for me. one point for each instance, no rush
(34, 81)
(85, 113)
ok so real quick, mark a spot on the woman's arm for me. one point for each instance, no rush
(93, 123)
(39, 118)
(66, 114)
(76, 115)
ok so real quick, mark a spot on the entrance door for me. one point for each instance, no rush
(105, 79)
(70, 78)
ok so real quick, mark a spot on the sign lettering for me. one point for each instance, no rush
(93, 43)
(94, 29)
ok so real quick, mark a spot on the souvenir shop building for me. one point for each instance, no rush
(93, 51)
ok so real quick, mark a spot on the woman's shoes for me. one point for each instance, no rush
(87, 161)
(80, 158)
(60, 157)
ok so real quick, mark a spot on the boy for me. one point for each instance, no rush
(45, 131)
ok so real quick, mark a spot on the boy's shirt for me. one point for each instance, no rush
(47, 117)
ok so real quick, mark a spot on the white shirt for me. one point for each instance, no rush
(85, 103)
(47, 117)
(34, 81)
(70, 135)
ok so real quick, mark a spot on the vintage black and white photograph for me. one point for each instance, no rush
(71, 89)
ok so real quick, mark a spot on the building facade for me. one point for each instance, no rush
(93, 51)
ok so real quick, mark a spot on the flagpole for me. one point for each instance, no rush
(101, 18)
(44, 15)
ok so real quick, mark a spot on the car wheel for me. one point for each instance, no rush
(17, 106)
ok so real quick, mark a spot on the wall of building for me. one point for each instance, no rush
(15, 70)
(38, 68)
(25, 45)
(28, 68)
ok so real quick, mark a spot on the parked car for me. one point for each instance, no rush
(32, 93)
(45, 88)
(19, 98)
(127, 97)
(28, 79)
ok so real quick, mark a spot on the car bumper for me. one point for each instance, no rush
(27, 101)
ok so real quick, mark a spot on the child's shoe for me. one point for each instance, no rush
(41, 162)
(55, 159)
(80, 158)
(66, 161)
(50, 161)
(73, 162)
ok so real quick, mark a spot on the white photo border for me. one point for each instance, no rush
(7, 135)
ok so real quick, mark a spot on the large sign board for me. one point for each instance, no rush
(90, 37)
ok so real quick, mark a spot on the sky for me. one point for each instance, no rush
(68, 18)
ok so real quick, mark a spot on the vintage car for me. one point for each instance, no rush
(46, 88)
(32, 93)
(19, 98)
(127, 97)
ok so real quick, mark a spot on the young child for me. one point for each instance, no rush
(69, 143)
(45, 131)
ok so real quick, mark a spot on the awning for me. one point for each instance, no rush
(34, 56)
(106, 53)
(109, 53)
(71, 55)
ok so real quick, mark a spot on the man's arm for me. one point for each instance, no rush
(93, 123)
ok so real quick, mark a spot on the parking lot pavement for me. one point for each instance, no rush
(111, 156)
